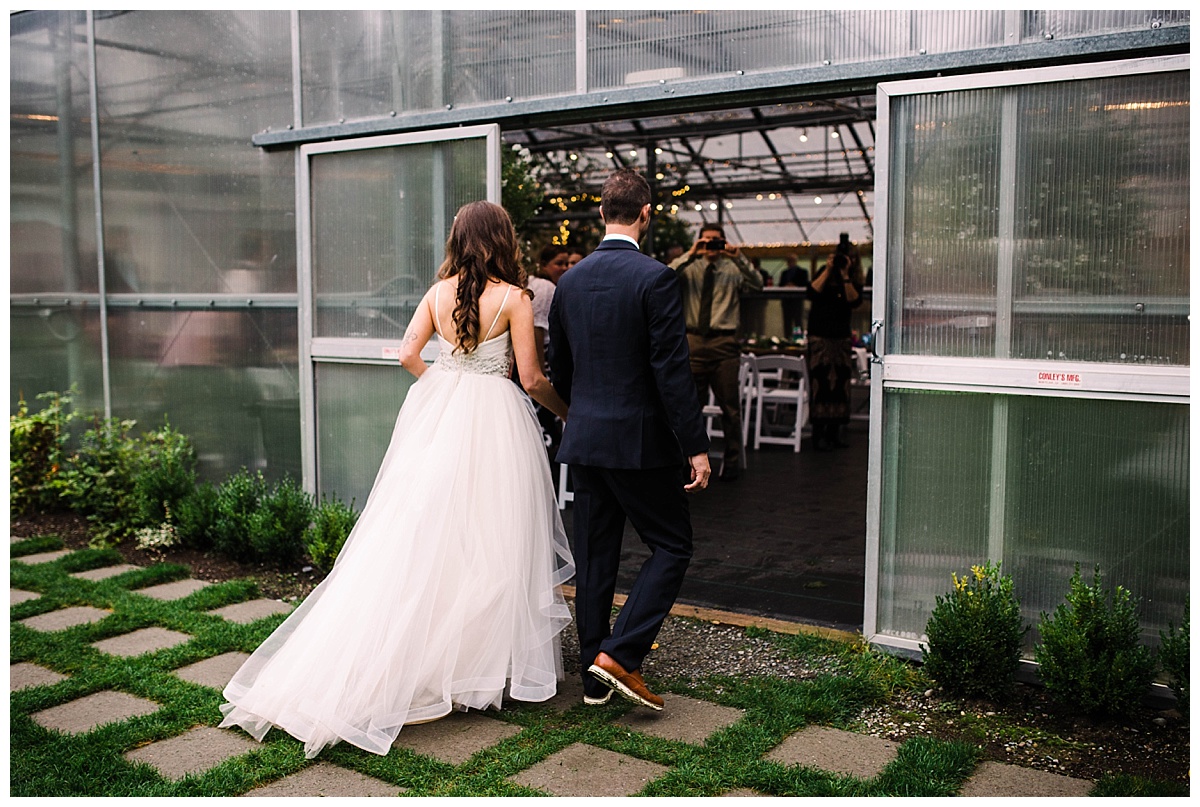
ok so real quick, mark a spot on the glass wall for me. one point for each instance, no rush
(1074, 481)
(1044, 222)
(52, 229)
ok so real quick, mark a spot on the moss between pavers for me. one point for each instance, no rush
(48, 763)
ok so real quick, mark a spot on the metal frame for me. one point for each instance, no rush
(315, 349)
(766, 86)
(1000, 376)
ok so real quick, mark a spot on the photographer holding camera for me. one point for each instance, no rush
(713, 276)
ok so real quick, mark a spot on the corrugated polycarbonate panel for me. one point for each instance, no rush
(934, 518)
(1102, 220)
(495, 55)
(226, 379)
(51, 349)
(1064, 23)
(632, 47)
(357, 407)
(380, 218)
(1091, 481)
(52, 236)
(189, 204)
(1080, 481)
(945, 186)
(360, 64)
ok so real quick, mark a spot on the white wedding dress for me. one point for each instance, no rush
(446, 589)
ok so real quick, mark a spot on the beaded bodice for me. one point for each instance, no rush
(493, 357)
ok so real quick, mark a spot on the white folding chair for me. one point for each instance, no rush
(564, 493)
(781, 385)
(711, 411)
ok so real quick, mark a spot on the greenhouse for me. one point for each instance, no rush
(226, 218)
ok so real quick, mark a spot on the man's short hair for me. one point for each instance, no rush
(623, 196)
(716, 228)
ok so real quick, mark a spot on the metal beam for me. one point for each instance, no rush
(764, 87)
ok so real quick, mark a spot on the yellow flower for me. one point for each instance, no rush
(979, 572)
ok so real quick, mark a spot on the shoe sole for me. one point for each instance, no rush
(590, 701)
(622, 690)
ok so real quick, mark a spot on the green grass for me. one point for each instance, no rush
(48, 763)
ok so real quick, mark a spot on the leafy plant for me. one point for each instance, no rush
(196, 517)
(277, 527)
(974, 635)
(1090, 656)
(332, 522)
(253, 522)
(96, 480)
(37, 447)
(166, 474)
(238, 498)
(1174, 656)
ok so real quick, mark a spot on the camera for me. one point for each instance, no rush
(715, 244)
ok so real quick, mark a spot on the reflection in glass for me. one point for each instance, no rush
(945, 223)
(380, 220)
(1077, 191)
(357, 407)
(52, 219)
(52, 348)
(189, 204)
(226, 379)
(1083, 481)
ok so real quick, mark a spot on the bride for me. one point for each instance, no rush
(446, 590)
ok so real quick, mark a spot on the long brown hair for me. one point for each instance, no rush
(482, 246)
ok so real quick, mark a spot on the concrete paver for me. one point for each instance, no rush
(581, 770)
(246, 612)
(682, 719)
(324, 779)
(106, 572)
(174, 591)
(16, 596)
(43, 557)
(998, 779)
(213, 672)
(569, 694)
(196, 751)
(65, 618)
(141, 641)
(86, 713)
(25, 675)
(837, 751)
(455, 737)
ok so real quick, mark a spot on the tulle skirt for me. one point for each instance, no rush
(444, 594)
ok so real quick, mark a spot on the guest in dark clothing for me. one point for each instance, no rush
(795, 276)
(833, 293)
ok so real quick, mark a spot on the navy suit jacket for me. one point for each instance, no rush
(619, 358)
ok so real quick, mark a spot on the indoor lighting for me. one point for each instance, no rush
(658, 151)
(632, 153)
(834, 133)
(608, 154)
(771, 196)
(729, 205)
(699, 207)
(712, 205)
(816, 200)
(758, 197)
(574, 156)
(659, 175)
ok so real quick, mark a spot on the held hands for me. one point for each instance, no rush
(700, 473)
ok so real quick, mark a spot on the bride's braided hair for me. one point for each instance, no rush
(482, 246)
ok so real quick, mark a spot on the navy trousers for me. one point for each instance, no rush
(653, 500)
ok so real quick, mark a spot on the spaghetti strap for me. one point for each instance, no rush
(437, 320)
(488, 335)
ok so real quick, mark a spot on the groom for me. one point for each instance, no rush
(619, 358)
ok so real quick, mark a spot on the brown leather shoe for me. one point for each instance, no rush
(626, 684)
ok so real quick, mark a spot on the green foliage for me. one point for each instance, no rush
(1090, 656)
(166, 474)
(974, 635)
(277, 528)
(196, 517)
(1174, 655)
(1123, 784)
(254, 522)
(96, 480)
(671, 230)
(37, 447)
(332, 522)
(521, 193)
